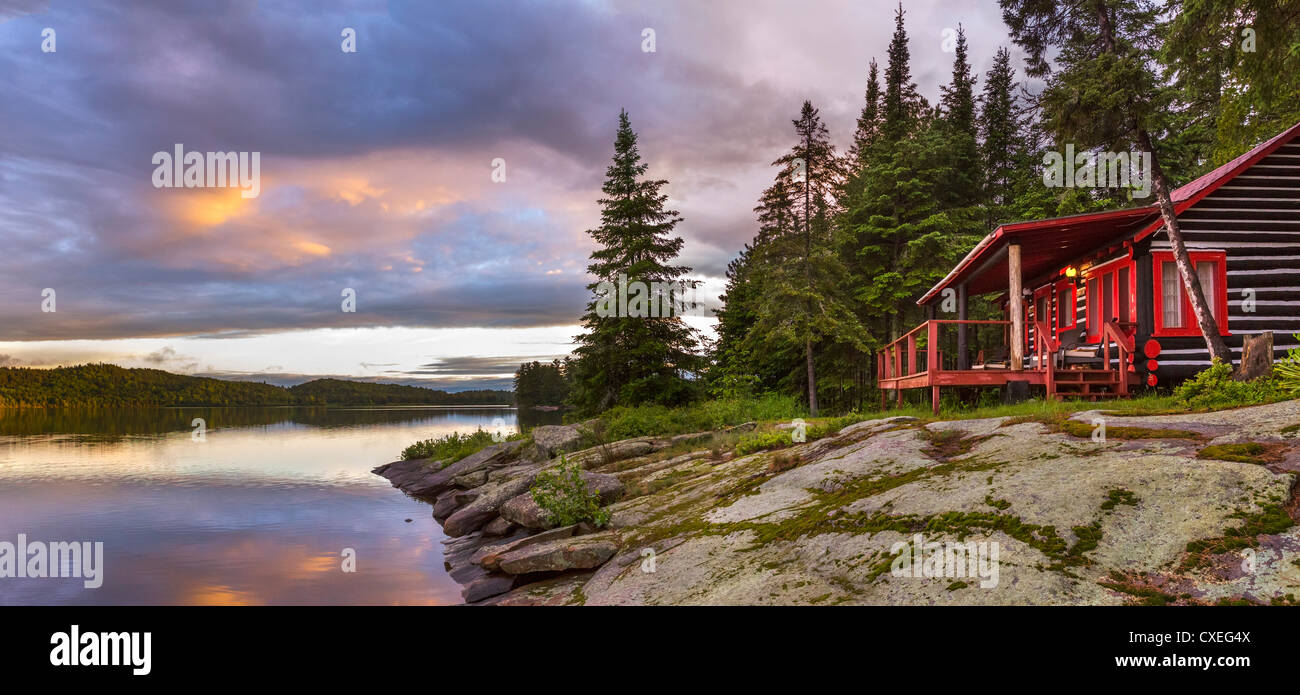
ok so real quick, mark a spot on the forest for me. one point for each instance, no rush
(110, 385)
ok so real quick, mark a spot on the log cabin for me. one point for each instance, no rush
(1093, 304)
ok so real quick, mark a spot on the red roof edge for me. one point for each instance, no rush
(1183, 198)
(1011, 228)
(1191, 193)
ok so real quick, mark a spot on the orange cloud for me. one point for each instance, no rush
(209, 207)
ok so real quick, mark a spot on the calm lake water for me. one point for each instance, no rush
(257, 513)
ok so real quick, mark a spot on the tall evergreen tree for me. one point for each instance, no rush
(735, 371)
(957, 105)
(902, 232)
(625, 359)
(868, 121)
(901, 104)
(1001, 146)
(803, 283)
(1105, 93)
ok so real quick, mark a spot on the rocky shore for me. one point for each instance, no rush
(1143, 515)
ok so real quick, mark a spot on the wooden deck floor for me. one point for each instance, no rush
(1093, 384)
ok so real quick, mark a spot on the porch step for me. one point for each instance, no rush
(1091, 384)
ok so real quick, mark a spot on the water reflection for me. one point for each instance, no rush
(258, 513)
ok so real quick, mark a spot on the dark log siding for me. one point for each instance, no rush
(1255, 220)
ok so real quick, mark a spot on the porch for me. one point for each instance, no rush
(918, 360)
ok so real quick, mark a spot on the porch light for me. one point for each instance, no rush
(1071, 272)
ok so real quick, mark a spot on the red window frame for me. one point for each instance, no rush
(1066, 307)
(1158, 259)
(1095, 286)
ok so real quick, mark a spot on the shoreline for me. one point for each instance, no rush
(1137, 517)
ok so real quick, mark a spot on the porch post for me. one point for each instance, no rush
(963, 359)
(1016, 304)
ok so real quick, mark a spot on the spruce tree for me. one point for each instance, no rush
(623, 358)
(1001, 146)
(868, 121)
(957, 105)
(901, 105)
(803, 285)
(904, 230)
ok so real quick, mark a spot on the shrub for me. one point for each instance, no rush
(1288, 372)
(834, 425)
(781, 463)
(1214, 388)
(624, 422)
(564, 496)
(452, 447)
(760, 441)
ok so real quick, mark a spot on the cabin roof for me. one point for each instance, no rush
(1051, 243)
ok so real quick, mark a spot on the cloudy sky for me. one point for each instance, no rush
(376, 167)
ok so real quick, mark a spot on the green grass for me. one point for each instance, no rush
(1150, 404)
(1213, 389)
(452, 447)
(625, 422)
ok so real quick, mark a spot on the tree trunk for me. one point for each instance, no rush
(807, 272)
(1200, 307)
(812, 379)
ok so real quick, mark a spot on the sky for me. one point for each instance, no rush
(376, 167)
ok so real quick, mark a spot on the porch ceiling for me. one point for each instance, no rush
(1046, 246)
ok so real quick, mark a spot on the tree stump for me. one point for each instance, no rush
(1256, 357)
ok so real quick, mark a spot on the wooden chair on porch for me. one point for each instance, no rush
(1000, 360)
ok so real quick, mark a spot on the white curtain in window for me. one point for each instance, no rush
(1208, 272)
(1171, 295)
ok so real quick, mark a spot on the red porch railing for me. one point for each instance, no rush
(899, 364)
(1121, 333)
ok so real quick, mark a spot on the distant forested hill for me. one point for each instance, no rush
(332, 391)
(106, 384)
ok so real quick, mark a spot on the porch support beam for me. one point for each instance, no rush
(963, 358)
(1016, 304)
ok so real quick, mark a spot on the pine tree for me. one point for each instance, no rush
(733, 371)
(902, 233)
(802, 287)
(902, 105)
(627, 359)
(868, 121)
(1001, 146)
(957, 106)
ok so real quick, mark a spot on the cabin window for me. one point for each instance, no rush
(1107, 299)
(1094, 311)
(1208, 273)
(1110, 296)
(1173, 310)
(1121, 282)
(1171, 292)
(1065, 316)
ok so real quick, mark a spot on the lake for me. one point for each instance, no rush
(258, 510)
